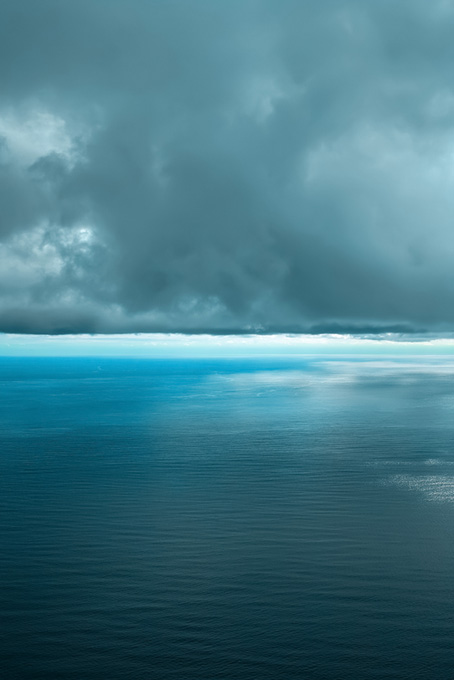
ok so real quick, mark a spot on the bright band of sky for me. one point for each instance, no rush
(178, 345)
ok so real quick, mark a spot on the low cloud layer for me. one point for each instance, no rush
(226, 167)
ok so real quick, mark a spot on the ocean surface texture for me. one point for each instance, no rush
(235, 519)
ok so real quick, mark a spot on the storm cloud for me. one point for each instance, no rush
(226, 167)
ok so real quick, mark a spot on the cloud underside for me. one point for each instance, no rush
(237, 167)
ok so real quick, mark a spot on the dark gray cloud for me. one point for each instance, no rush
(234, 166)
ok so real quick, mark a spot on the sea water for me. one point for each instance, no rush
(245, 519)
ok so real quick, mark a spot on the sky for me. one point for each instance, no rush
(210, 346)
(241, 167)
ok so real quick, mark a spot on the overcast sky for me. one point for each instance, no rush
(226, 166)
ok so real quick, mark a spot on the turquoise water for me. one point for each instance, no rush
(254, 519)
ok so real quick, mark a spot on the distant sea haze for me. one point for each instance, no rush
(227, 519)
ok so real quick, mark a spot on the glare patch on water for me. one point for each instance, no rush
(408, 373)
(408, 463)
(434, 487)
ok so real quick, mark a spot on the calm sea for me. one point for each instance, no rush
(232, 519)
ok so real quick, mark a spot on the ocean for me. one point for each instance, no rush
(240, 519)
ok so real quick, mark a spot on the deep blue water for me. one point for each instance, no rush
(249, 520)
